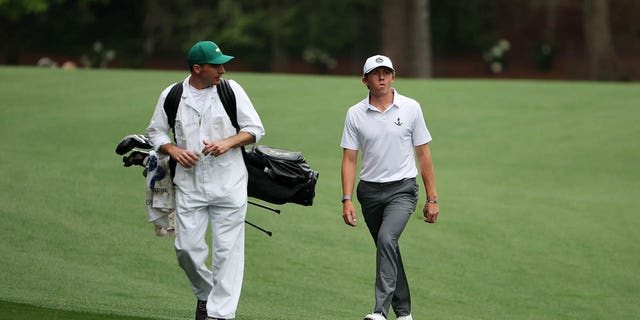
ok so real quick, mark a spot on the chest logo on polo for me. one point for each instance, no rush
(398, 122)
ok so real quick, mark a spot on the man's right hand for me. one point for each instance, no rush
(186, 158)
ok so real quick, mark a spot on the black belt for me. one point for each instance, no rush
(386, 184)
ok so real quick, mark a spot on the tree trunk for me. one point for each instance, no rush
(602, 62)
(394, 32)
(279, 56)
(419, 42)
(406, 36)
(11, 43)
(551, 21)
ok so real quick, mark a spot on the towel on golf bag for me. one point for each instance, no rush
(160, 194)
(280, 176)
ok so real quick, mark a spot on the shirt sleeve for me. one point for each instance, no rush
(421, 134)
(248, 118)
(158, 129)
(350, 133)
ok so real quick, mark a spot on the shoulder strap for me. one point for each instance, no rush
(228, 99)
(171, 103)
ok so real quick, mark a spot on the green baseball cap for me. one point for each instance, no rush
(206, 52)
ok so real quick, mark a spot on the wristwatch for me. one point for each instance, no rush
(432, 201)
(345, 198)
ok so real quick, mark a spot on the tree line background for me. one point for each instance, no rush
(568, 39)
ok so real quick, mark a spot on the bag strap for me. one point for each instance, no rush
(171, 104)
(228, 99)
(225, 92)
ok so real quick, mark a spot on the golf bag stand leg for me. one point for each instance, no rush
(269, 233)
(265, 207)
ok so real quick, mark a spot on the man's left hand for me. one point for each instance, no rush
(215, 148)
(430, 212)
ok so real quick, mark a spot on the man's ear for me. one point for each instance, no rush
(196, 68)
(364, 81)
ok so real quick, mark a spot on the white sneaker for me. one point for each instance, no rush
(374, 316)
(409, 317)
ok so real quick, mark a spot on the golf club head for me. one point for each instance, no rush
(133, 141)
(135, 158)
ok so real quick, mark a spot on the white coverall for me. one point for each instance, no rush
(214, 190)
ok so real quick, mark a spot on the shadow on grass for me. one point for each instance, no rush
(18, 311)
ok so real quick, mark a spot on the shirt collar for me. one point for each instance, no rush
(393, 104)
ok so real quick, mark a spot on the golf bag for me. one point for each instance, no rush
(275, 176)
(160, 201)
(279, 176)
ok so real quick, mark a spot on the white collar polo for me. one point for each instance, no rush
(386, 139)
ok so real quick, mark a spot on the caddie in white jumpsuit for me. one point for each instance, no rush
(210, 179)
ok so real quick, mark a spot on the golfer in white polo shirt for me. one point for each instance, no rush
(391, 132)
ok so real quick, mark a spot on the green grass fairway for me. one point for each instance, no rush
(539, 185)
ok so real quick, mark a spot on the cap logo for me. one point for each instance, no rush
(217, 49)
(379, 60)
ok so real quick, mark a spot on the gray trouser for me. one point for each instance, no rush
(386, 208)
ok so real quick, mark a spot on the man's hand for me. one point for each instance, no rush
(349, 213)
(216, 148)
(186, 158)
(430, 212)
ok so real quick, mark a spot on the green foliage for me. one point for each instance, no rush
(537, 180)
(257, 28)
(544, 54)
(15, 9)
(462, 26)
(136, 30)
